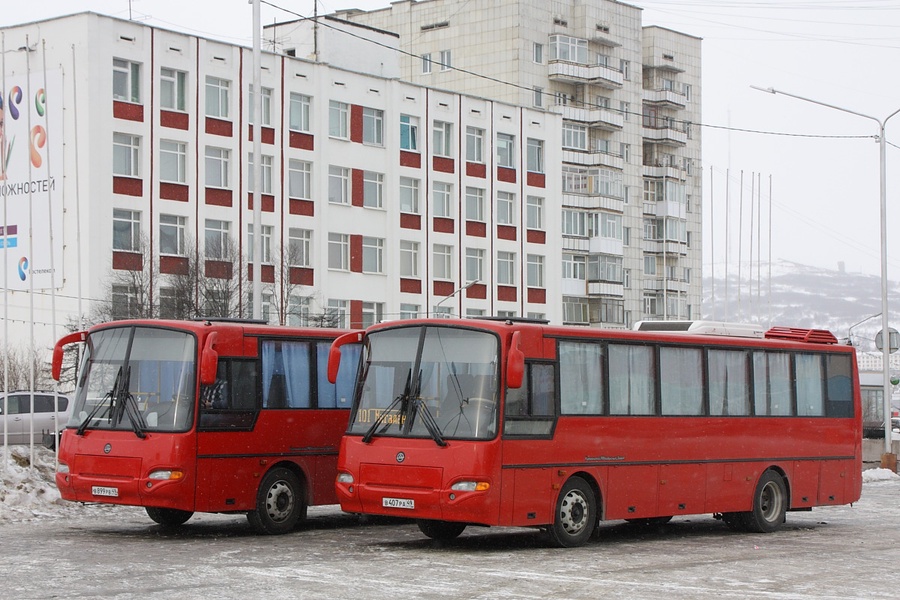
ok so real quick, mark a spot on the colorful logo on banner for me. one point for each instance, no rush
(23, 268)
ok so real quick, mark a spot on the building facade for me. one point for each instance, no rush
(629, 96)
(380, 198)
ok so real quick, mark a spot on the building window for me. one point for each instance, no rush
(266, 256)
(474, 144)
(537, 53)
(126, 155)
(266, 106)
(574, 223)
(299, 247)
(426, 63)
(339, 251)
(373, 126)
(474, 204)
(443, 139)
(126, 230)
(574, 136)
(171, 305)
(172, 161)
(299, 117)
(372, 255)
(506, 268)
(217, 92)
(126, 80)
(443, 193)
(649, 265)
(537, 97)
(372, 313)
(298, 311)
(409, 259)
(506, 150)
(217, 239)
(443, 261)
(217, 167)
(575, 310)
(605, 267)
(338, 120)
(409, 311)
(474, 264)
(337, 312)
(266, 168)
(409, 133)
(445, 60)
(569, 49)
(300, 179)
(535, 271)
(506, 208)
(373, 189)
(172, 231)
(535, 212)
(535, 156)
(574, 267)
(409, 195)
(124, 302)
(338, 185)
(610, 226)
(172, 89)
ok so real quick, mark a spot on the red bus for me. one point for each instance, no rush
(510, 423)
(205, 416)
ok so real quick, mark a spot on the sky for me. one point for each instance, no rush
(816, 167)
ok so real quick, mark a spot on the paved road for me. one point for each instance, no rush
(117, 552)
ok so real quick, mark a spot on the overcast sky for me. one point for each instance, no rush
(824, 182)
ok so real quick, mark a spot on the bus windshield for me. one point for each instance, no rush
(428, 381)
(136, 378)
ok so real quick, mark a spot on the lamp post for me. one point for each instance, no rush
(457, 291)
(885, 350)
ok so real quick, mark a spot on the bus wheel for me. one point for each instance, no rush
(279, 503)
(170, 517)
(576, 514)
(442, 531)
(769, 504)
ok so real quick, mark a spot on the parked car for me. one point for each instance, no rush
(16, 415)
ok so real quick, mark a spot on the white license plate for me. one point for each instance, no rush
(104, 491)
(407, 503)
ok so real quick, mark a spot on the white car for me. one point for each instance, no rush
(16, 417)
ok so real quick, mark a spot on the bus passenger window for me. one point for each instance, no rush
(729, 383)
(681, 381)
(810, 397)
(340, 393)
(286, 374)
(580, 378)
(772, 390)
(531, 408)
(632, 380)
(243, 385)
(839, 389)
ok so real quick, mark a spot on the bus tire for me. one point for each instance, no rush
(168, 517)
(280, 503)
(442, 531)
(769, 504)
(575, 516)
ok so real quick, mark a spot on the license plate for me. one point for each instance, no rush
(105, 491)
(407, 503)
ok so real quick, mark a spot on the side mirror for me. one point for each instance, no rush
(56, 367)
(209, 360)
(515, 363)
(334, 354)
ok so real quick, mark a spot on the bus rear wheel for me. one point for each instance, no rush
(279, 503)
(442, 531)
(170, 517)
(769, 504)
(576, 514)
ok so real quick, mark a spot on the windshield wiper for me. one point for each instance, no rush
(429, 421)
(110, 395)
(381, 416)
(130, 407)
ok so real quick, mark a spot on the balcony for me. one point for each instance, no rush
(668, 247)
(665, 98)
(660, 284)
(594, 159)
(603, 76)
(664, 171)
(605, 288)
(602, 245)
(665, 135)
(668, 208)
(594, 202)
(601, 118)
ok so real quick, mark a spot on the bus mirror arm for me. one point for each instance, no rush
(59, 348)
(209, 360)
(334, 354)
(515, 363)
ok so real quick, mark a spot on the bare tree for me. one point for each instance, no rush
(19, 363)
(289, 302)
(220, 281)
(129, 293)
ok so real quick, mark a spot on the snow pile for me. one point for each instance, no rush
(27, 490)
(870, 475)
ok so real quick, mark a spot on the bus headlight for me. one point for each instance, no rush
(345, 478)
(166, 474)
(470, 486)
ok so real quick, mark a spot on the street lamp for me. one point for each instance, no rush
(885, 350)
(457, 291)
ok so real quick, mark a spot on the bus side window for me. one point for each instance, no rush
(810, 392)
(838, 389)
(531, 408)
(340, 393)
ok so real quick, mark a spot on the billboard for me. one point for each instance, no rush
(31, 179)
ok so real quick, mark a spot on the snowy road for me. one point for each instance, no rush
(117, 552)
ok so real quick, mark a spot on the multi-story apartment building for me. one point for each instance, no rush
(380, 198)
(630, 147)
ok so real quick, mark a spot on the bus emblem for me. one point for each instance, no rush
(401, 457)
(107, 448)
